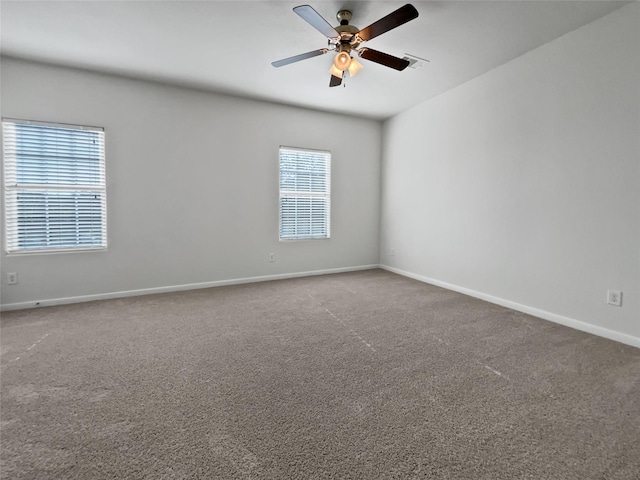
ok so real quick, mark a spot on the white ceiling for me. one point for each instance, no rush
(228, 46)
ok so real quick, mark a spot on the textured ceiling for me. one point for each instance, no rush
(228, 46)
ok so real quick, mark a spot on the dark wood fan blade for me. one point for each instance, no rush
(335, 81)
(391, 21)
(316, 20)
(384, 59)
(297, 58)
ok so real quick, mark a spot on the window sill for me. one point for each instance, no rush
(56, 251)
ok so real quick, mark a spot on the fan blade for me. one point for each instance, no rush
(391, 21)
(297, 58)
(335, 81)
(316, 20)
(384, 59)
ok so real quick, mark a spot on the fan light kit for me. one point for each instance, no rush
(346, 38)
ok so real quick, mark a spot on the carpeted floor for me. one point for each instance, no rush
(365, 375)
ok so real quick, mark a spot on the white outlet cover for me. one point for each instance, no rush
(614, 297)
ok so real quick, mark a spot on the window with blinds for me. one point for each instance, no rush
(55, 192)
(305, 194)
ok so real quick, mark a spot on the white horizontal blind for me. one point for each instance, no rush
(305, 194)
(55, 192)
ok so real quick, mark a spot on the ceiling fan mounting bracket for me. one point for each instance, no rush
(344, 17)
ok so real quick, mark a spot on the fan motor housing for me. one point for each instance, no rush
(350, 29)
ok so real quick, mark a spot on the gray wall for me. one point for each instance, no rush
(192, 186)
(522, 186)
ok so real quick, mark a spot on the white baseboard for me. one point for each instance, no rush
(176, 288)
(552, 317)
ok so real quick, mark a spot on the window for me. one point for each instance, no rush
(305, 193)
(54, 180)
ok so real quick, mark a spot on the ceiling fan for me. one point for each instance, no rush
(346, 38)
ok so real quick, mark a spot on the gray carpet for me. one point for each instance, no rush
(364, 375)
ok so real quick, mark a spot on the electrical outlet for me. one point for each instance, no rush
(392, 252)
(614, 297)
(12, 278)
(272, 257)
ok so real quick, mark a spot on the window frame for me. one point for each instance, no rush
(325, 195)
(11, 186)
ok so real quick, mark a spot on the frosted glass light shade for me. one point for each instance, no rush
(354, 67)
(335, 72)
(342, 61)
